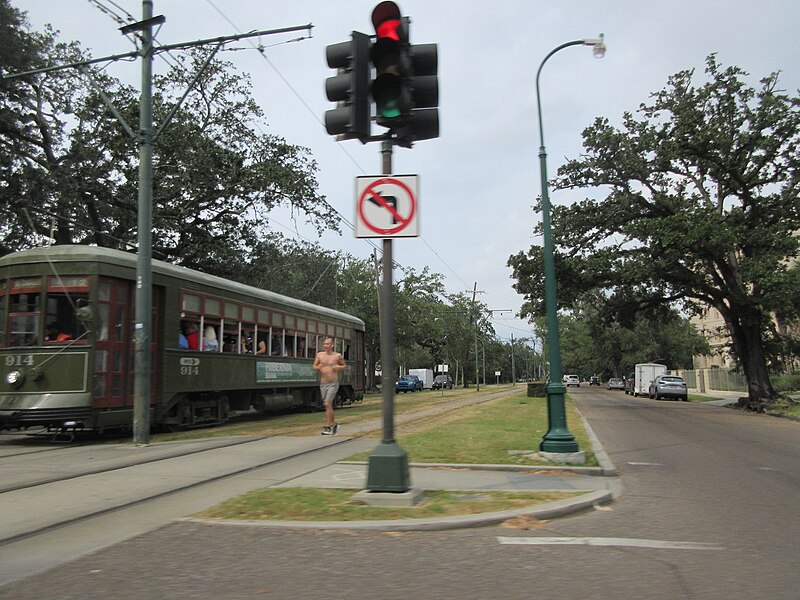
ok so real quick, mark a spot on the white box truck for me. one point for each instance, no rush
(644, 373)
(425, 376)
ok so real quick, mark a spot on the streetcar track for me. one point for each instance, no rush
(148, 498)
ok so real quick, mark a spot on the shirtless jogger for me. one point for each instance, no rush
(329, 363)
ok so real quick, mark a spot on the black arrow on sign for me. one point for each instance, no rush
(383, 201)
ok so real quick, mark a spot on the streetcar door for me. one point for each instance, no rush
(114, 346)
(112, 360)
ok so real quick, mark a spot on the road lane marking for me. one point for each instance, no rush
(598, 541)
(645, 464)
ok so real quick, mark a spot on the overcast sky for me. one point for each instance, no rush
(479, 180)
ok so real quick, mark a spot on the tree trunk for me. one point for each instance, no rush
(745, 327)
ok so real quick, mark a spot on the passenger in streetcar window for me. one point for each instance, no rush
(192, 334)
(210, 342)
(183, 343)
(262, 347)
(54, 333)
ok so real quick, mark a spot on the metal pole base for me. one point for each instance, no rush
(387, 469)
(558, 438)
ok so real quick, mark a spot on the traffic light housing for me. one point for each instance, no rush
(349, 88)
(406, 86)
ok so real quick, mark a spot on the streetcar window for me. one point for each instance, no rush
(25, 303)
(301, 345)
(212, 307)
(24, 329)
(312, 344)
(231, 311)
(248, 313)
(61, 310)
(248, 338)
(263, 317)
(346, 351)
(301, 324)
(331, 331)
(337, 345)
(230, 337)
(277, 348)
(312, 327)
(262, 341)
(288, 345)
(191, 303)
(277, 319)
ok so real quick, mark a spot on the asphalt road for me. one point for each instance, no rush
(708, 510)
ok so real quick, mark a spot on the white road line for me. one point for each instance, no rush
(645, 464)
(598, 541)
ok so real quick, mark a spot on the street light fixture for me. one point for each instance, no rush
(558, 439)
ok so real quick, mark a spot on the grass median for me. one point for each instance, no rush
(502, 431)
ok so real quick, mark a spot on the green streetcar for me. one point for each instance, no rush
(66, 344)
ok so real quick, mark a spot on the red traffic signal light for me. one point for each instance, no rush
(406, 86)
(387, 56)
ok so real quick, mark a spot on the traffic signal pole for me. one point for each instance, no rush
(405, 93)
(387, 469)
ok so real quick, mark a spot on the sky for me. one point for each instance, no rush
(479, 180)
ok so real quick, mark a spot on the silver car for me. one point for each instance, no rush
(615, 383)
(668, 386)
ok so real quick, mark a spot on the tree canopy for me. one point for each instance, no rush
(70, 169)
(701, 209)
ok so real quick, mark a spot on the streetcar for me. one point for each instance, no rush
(217, 346)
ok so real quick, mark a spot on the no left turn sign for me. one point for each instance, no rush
(387, 206)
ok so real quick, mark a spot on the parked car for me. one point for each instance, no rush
(442, 382)
(615, 383)
(668, 386)
(573, 380)
(594, 380)
(408, 383)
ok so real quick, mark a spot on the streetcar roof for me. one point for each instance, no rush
(82, 253)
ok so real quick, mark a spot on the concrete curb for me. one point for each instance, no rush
(549, 510)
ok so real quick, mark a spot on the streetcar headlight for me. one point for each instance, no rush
(14, 378)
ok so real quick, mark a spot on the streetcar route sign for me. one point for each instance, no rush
(387, 206)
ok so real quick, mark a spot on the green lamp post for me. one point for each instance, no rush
(558, 439)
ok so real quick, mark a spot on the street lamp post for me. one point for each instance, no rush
(558, 439)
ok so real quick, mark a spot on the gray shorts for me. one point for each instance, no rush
(328, 391)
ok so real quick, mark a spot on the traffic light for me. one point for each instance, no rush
(406, 86)
(349, 88)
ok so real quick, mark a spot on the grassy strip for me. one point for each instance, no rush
(503, 431)
(310, 504)
(480, 434)
(305, 423)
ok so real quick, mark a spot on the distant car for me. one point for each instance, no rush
(668, 386)
(442, 382)
(573, 380)
(594, 380)
(408, 383)
(615, 383)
